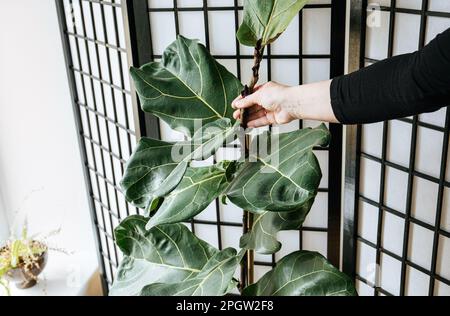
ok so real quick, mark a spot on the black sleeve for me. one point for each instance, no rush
(396, 87)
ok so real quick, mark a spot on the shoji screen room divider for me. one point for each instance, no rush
(103, 38)
(397, 211)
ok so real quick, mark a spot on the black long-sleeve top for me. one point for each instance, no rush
(396, 87)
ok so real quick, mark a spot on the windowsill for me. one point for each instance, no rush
(64, 275)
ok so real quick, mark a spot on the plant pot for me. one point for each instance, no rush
(25, 277)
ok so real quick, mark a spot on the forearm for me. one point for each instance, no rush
(311, 102)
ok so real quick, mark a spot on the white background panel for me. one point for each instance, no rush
(371, 142)
(428, 153)
(396, 186)
(285, 44)
(370, 179)
(230, 213)
(376, 38)
(435, 118)
(417, 283)
(439, 5)
(318, 216)
(420, 246)
(392, 233)
(204, 231)
(291, 242)
(409, 4)
(390, 274)
(209, 214)
(424, 200)
(368, 221)
(315, 70)
(220, 3)
(316, 31)
(441, 289)
(263, 258)
(284, 70)
(443, 263)
(260, 271)
(162, 26)
(192, 25)
(322, 156)
(363, 289)
(223, 44)
(315, 241)
(435, 26)
(187, 3)
(406, 35)
(230, 236)
(164, 3)
(398, 142)
(365, 262)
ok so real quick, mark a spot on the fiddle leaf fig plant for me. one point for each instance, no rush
(276, 179)
(302, 273)
(263, 234)
(266, 20)
(156, 167)
(187, 87)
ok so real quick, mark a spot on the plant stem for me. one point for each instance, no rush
(248, 89)
(247, 265)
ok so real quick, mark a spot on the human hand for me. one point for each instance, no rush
(270, 103)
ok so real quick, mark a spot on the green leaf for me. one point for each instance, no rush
(150, 168)
(303, 273)
(198, 188)
(263, 235)
(283, 179)
(157, 167)
(187, 87)
(266, 20)
(167, 253)
(215, 279)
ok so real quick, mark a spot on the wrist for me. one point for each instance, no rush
(292, 102)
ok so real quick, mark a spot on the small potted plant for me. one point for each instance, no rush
(21, 261)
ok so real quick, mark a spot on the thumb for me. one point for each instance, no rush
(246, 102)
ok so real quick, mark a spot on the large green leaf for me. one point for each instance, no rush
(215, 279)
(303, 273)
(285, 178)
(263, 235)
(198, 188)
(188, 86)
(266, 20)
(156, 167)
(166, 253)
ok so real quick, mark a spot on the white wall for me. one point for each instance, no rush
(40, 169)
(4, 226)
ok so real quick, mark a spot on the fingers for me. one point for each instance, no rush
(237, 114)
(248, 101)
(259, 122)
(255, 119)
(256, 115)
(245, 102)
(250, 111)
